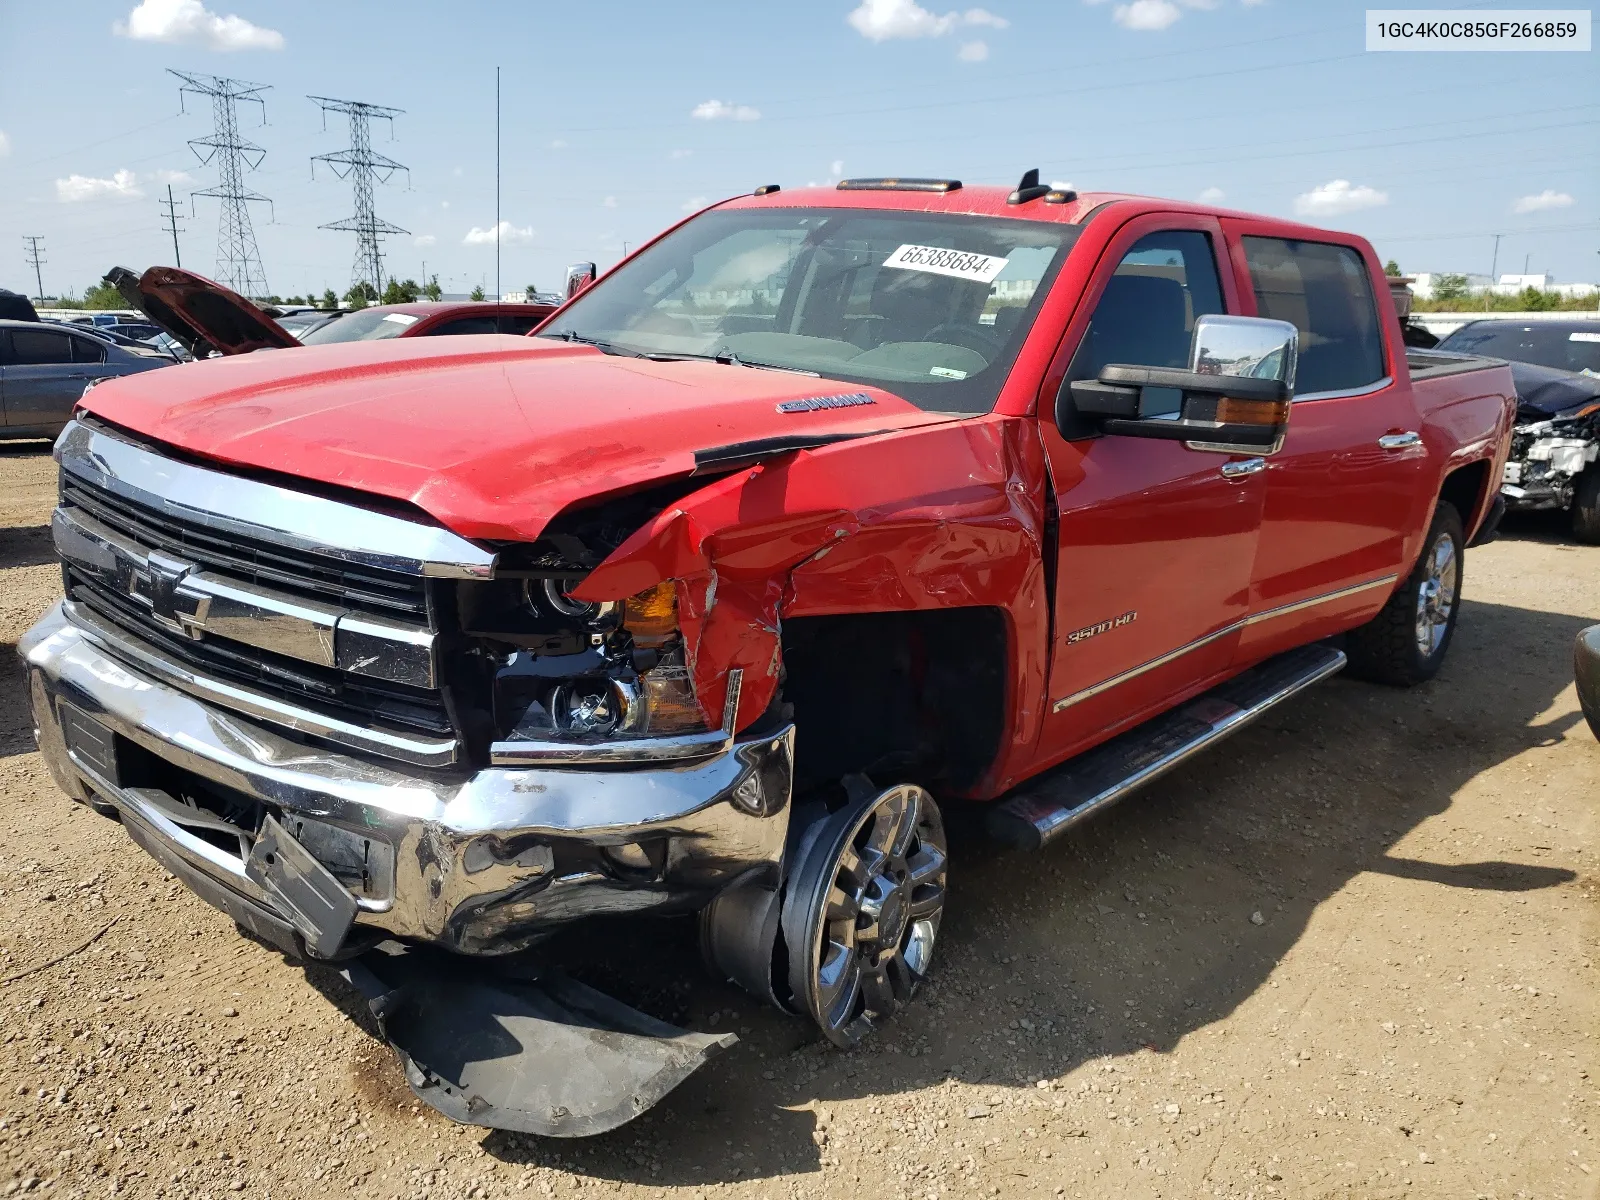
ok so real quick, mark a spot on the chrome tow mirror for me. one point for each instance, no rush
(1234, 396)
(579, 276)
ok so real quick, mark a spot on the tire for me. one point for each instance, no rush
(1586, 507)
(1406, 642)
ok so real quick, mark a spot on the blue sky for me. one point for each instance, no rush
(618, 116)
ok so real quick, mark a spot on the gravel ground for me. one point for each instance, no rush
(1349, 954)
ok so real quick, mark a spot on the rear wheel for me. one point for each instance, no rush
(1406, 642)
(1586, 507)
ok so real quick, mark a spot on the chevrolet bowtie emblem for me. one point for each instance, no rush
(156, 584)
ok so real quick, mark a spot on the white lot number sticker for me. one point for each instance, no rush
(936, 260)
(1585, 337)
(400, 318)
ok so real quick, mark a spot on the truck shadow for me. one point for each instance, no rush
(1135, 932)
(27, 546)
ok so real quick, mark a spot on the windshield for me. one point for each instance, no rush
(368, 325)
(930, 306)
(1543, 344)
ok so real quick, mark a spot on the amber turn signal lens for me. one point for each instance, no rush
(670, 705)
(1231, 411)
(652, 616)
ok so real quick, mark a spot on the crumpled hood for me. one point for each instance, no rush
(1545, 392)
(490, 435)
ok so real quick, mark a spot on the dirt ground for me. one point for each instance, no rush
(1349, 954)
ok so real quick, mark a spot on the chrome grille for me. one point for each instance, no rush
(332, 642)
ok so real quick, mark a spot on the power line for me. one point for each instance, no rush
(169, 222)
(365, 169)
(33, 259)
(238, 259)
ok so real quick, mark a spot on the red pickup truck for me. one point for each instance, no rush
(823, 510)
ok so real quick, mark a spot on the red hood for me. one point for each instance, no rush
(492, 436)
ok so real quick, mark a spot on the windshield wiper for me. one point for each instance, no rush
(729, 359)
(600, 344)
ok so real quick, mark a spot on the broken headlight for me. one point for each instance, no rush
(584, 671)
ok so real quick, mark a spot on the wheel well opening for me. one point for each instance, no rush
(1463, 489)
(915, 697)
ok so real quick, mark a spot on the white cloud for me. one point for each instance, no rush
(5, 144)
(1545, 200)
(559, 144)
(680, 154)
(444, 204)
(880, 20)
(123, 185)
(1062, 185)
(1212, 195)
(189, 21)
(609, 202)
(424, 239)
(973, 51)
(1147, 15)
(1336, 197)
(836, 168)
(456, 171)
(716, 110)
(1152, 16)
(173, 177)
(693, 204)
(510, 235)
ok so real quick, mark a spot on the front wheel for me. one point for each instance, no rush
(1406, 642)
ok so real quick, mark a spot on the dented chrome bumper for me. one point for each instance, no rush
(480, 863)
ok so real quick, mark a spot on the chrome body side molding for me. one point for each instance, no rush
(1270, 614)
(250, 508)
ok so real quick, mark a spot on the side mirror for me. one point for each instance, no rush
(579, 276)
(1234, 397)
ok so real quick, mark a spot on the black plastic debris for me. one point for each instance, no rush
(548, 1056)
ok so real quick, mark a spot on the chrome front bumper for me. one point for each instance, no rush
(479, 863)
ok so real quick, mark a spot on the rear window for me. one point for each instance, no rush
(1324, 291)
(35, 347)
(1554, 344)
(368, 325)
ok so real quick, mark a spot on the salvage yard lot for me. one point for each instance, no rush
(1351, 953)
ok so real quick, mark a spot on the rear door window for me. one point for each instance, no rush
(87, 350)
(1325, 292)
(38, 347)
(1146, 315)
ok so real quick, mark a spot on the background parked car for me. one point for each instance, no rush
(1555, 448)
(45, 368)
(15, 307)
(208, 318)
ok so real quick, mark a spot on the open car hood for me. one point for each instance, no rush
(202, 315)
(491, 435)
(1545, 392)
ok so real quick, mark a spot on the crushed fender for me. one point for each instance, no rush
(547, 1056)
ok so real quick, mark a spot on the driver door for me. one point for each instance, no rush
(1155, 543)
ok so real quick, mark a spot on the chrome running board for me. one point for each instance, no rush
(1042, 809)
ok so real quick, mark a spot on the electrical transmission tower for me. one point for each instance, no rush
(238, 260)
(169, 223)
(365, 168)
(32, 254)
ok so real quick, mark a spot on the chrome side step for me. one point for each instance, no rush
(1042, 809)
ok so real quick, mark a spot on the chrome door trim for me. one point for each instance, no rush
(1386, 381)
(1244, 468)
(1400, 441)
(250, 508)
(1283, 610)
(1200, 643)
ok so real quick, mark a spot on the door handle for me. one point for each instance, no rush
(1243, 468)
(1399, 441)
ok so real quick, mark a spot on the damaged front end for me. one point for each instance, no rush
(1555, 446)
